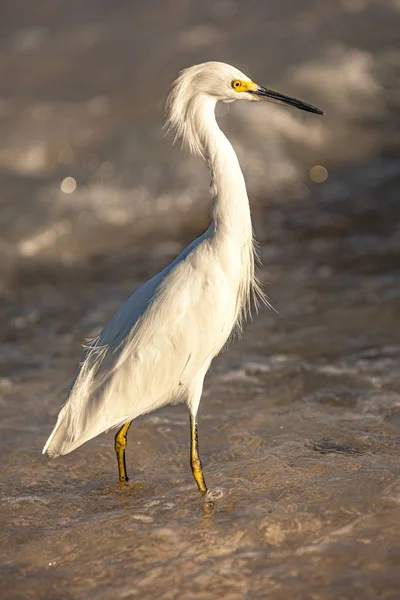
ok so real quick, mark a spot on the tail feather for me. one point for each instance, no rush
(58, 443)
(60, 440)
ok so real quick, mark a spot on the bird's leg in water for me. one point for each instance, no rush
(120, 444)
(195, 461)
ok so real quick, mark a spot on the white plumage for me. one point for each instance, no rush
(158, 347)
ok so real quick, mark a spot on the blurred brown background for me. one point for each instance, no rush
(82, 93)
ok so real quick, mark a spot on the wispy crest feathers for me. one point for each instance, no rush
(193, 95)
(181, 110)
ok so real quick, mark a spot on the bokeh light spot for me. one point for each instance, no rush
(68, 185)
(318, 174)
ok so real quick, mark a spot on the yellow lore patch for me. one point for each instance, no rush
(243, 86)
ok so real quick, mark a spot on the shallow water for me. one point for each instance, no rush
(299, 421)
(299, 429)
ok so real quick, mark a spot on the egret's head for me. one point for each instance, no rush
(223, 82)
(205, 84)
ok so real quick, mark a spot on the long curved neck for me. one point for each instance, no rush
(231, 211)
(193, 118)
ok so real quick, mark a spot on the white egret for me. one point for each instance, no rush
(158, 347)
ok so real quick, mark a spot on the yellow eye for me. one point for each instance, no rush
(236, 84)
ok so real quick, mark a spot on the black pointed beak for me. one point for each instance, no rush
(262, 93)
